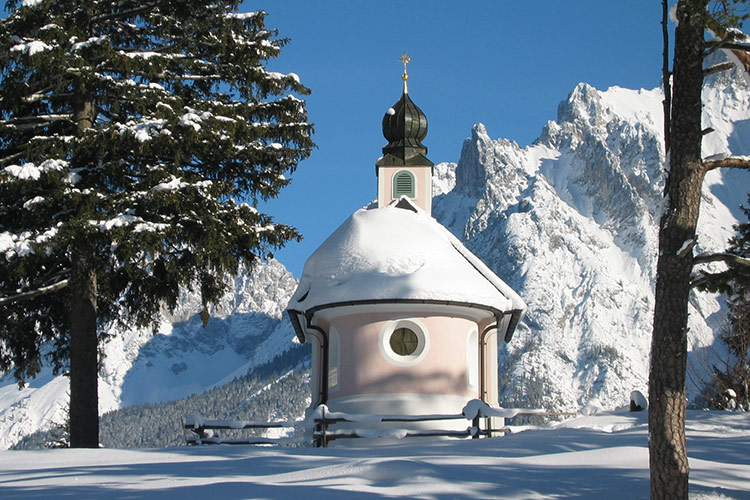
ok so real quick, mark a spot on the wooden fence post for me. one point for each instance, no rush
(325, 429)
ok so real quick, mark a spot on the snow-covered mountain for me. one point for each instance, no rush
(246, 330)
(571, 223)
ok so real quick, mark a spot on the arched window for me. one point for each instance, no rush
(403, 185)
(334, 359)
(472, 359)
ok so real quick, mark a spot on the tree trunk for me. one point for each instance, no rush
(84, 344)
(667, 449)
(84, 359)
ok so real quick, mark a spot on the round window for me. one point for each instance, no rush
(404, 341)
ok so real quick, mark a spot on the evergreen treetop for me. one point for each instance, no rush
(135, 139)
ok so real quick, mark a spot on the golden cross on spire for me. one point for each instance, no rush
(406, 60)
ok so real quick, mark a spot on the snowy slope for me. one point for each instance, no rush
(571, 223)
(600, 456)
(246, 330)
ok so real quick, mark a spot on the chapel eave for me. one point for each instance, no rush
(346, 307)
(404, 157)
(364, 260)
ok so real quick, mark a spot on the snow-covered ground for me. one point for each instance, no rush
(599, 456)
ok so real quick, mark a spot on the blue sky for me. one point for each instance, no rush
(506, 64)
(503, 63)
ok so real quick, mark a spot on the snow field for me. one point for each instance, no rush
(604, 455)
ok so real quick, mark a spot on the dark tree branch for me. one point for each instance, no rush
(10, 158)
(39, 95)
(35, 120)
(687, 248)
(112, 117)
(53, 277)
(125, 14)
(721, 257)
(717, 69)
(38, 292)
(742, 163)
(740, 50)
(727, 45)
(699, 281)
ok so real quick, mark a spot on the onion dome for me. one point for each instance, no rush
(405, 127)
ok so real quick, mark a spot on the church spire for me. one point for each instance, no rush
(404, 169)
(405, 77)
(405, 127)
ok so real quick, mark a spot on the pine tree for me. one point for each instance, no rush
(734, 281)
(677, 228)
(136, 138)
(729, 387)
(730, 384)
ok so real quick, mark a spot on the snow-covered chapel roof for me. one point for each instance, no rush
(398, 253)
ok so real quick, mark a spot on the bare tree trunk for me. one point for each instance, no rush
(84, 359)
(666, 75)
(667, 448)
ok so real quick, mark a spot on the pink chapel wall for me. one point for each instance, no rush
(359, 366)
(423, 178)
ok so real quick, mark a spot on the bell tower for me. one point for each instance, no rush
(404, 169)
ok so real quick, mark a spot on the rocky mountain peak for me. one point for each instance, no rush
(571, 223)
(583, 107)
(483, 159)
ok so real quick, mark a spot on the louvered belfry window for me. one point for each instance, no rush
(403, 184)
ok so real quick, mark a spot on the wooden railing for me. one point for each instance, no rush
(322, 420)
(323, 434)
(204, 431)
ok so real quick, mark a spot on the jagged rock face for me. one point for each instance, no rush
(571, 223)
(186, 357)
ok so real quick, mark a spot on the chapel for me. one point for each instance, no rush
(402, 317)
